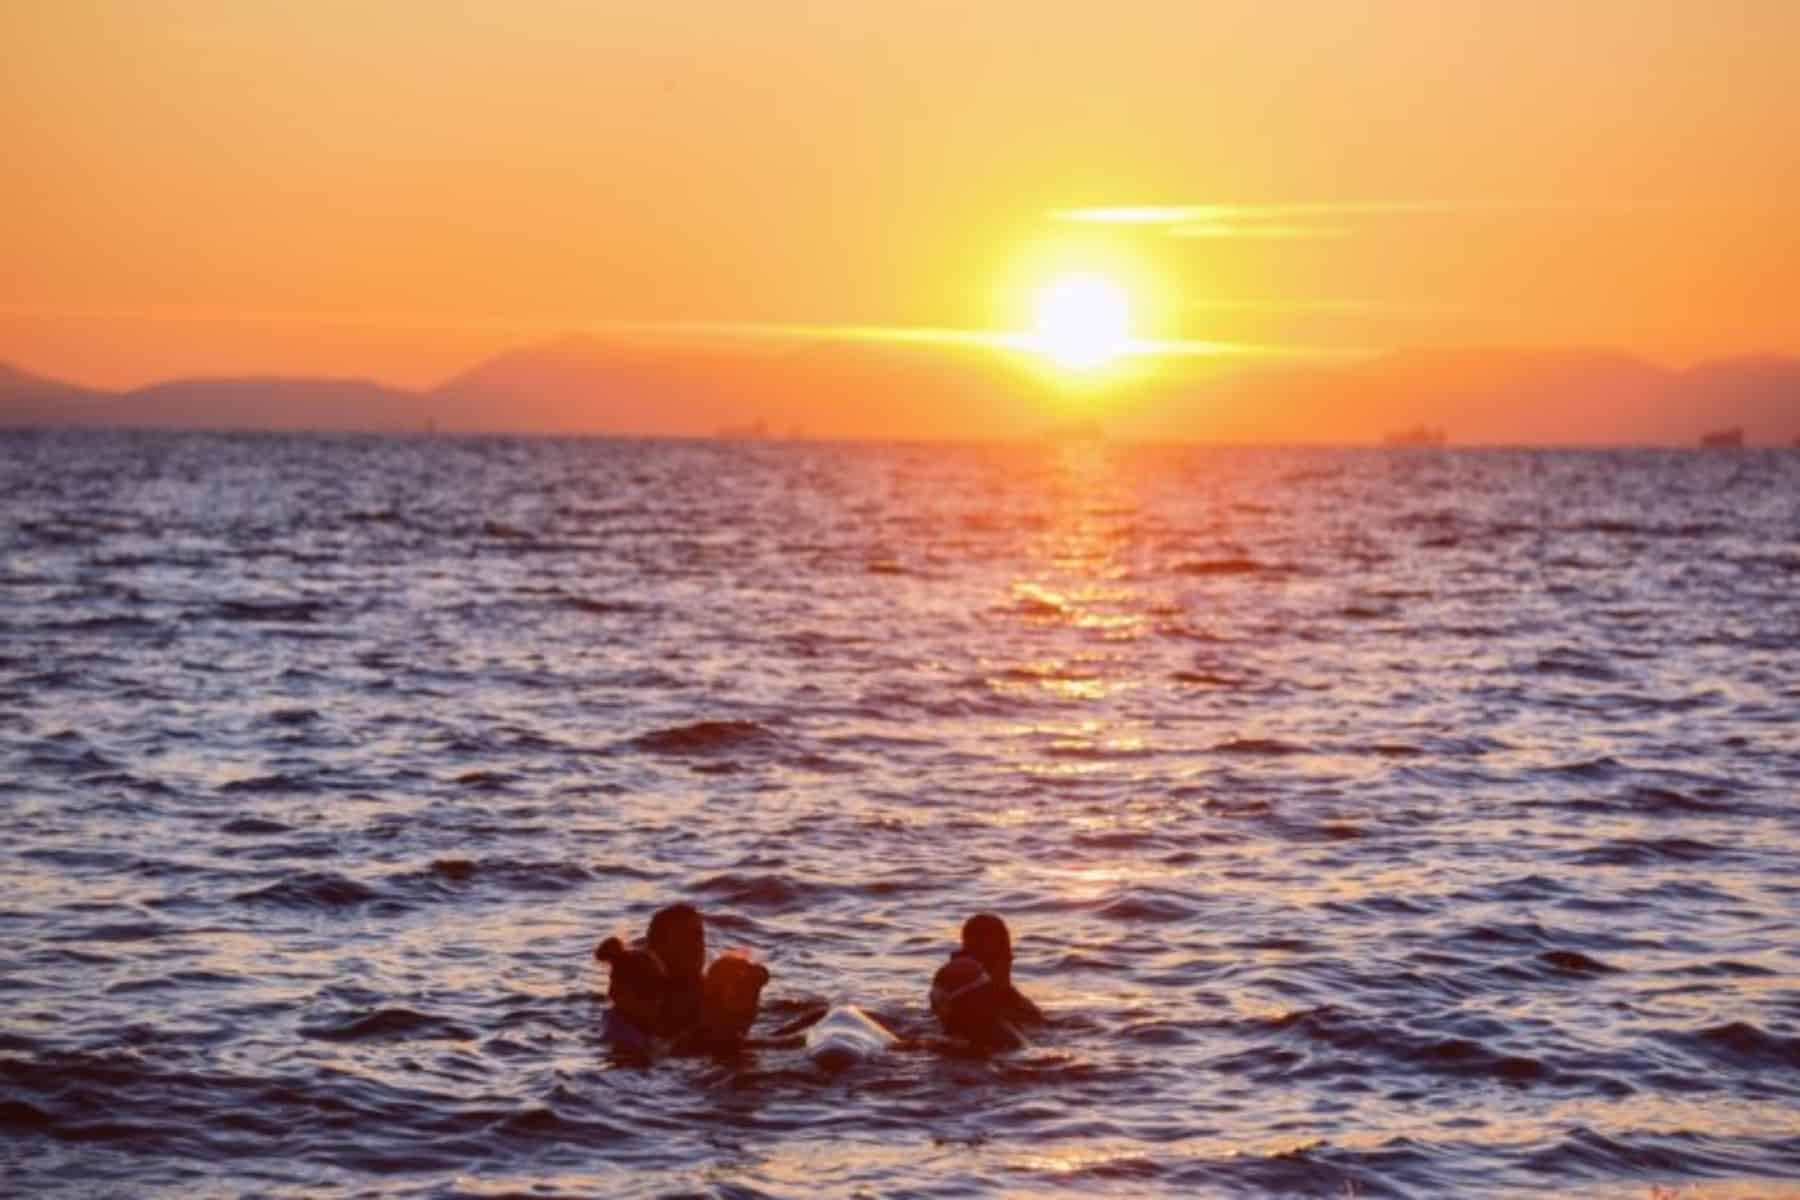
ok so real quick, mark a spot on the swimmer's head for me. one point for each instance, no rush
(986, 939)
(637, 985)
(678, 936)
(730, 995)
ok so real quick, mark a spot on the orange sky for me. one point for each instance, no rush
(397, 189)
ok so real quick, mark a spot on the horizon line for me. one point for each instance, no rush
(1008, 342)
(1005, 342)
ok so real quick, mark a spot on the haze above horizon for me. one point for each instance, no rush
(398, 191)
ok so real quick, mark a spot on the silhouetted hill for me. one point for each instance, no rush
(827, 389)
(1762, 395)
(27, 399)
(860, 389)
(266, 402)
(1480, 395)
(258, 402)
(1484, 397)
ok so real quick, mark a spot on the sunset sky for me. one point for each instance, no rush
(396, 189)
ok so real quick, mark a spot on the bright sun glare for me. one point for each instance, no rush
(1082, 322)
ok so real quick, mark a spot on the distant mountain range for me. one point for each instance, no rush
(855, 390)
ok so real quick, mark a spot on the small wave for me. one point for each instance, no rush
(486, 781)
(1726, 968)
(1205, 568)
(1655, 801)
(312, 890)
(1458, 1056)
(1035, 602)
(1524, 934)
(1574, 962)
(78, 857)
(1576, 664)
(127, 931)
(1235, 807)
(1338, 831)
(1090, 752)
(1521, 889)
(1048, 673)
(1187, 632)
(1118, 839)
(1740, 1045)
(1269, 746)
(113, 624)
(702, 737)
(1206, 679)
(294, 612)
(266, 783)
(600, 608)
(1647, 852)
(1611, 528)
(756, 891)
(384, 516)
(388, 1025)
(1601, 768)
(1587, 1154)
(1360, 612)
(457, 869)
(1158, 907)
(18, 1115)
(546, 1123)
(250, 826)
(507, 874)
(1378, 906)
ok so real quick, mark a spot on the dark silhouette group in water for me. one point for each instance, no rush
(665, 994)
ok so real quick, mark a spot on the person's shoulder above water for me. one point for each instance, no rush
(986, 938)
(971, 1007)
(973, 996)
(730, 996)
(637, 987)
(656, 986)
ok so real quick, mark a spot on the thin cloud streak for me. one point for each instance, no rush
(1216, 229)
(981, 339)
(1238, 222)
(1228, 214)
(1014, 341)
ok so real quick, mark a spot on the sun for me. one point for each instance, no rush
(1082, 322)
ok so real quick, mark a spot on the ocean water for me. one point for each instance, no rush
(1370, 822)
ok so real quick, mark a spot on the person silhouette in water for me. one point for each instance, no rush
(973, 996)
(637, 987)
(677, 936)
(731, 993)
(664, 989)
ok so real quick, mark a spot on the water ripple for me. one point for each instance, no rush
(1388, 824)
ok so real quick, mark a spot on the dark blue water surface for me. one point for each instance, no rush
(1390, 823)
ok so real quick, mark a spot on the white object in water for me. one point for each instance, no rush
(847, 1035)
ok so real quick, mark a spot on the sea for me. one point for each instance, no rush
(1375, 822)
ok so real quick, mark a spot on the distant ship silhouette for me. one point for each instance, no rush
(1722, 439)
(1418, 435)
